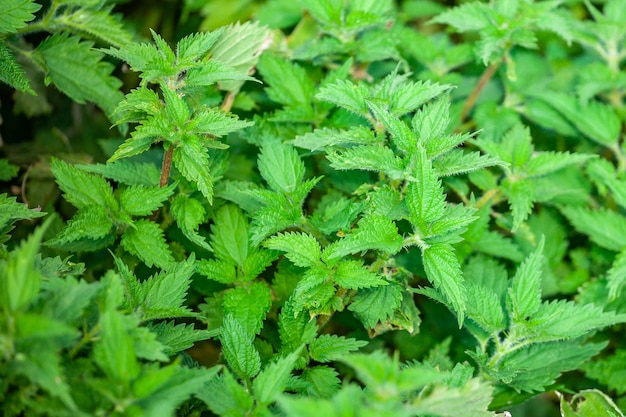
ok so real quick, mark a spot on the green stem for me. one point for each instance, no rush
(43, 24)
(482, 82)
(87, 337)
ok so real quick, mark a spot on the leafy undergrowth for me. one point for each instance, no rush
(324, 207)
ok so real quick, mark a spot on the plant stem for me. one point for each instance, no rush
(166, 166)
(227, 104)
(482, 82)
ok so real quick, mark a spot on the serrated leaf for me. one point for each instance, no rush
(114, 352)
(301, 249)
(326, 347)
(126, 172)
(346, 95)
(609, 370)
(248, 306)
(99, 24)
(425, 198)
(372, 233)
(314, 290)
(256, 262)
(165, 292)
(273, 379)
(91, 222)
(11, 210)
(543, 163)
(11, 72)
(219, 271)
(368, 158)
(229, 235)
(78, 70)
(192, 160)
(376, 304)
(239, 48)
(467, 17)
(589, 403)
(604, 227)
(294, 329)
(15, 13)
(238, 349)
(401, 134)
(472, 399)
(179, 337)
(321, 138)
(82, 189)
(458, 161)
(521, 195)
(326, 11)
(216, 123)
(281, 167)
(353, 275)
(616, 276)
(146, 241)
(139, 200)
(483, 306)
(289, 84)
(196, 46)
(431, 121)
(189, 215)
(225, 396)
(524, 296)
(443, 270)
(411, 95)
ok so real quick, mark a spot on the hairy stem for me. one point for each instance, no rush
(482, 82)
(227, 104)
(166, 166)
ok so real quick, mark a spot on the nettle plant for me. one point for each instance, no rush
(345, 213)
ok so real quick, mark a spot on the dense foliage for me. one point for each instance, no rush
(313, 208)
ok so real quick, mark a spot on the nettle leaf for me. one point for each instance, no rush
(196, 46)
(177, 338)
(238, 348)
(248, 305)
(189, 214)
(274, 378)
(589, 403)
(281, 167)
(301, 249)
(239, 48)
(192, 160)
(411, 95)
(224, 395)
(543, 163)
(165, 292)
(374, 232)
(295, 329)
(15, 13)
(326, 11)
(401, 134)
(289, 84)
(219, 271)
(11, 72)
(347, 95)
(100, 24)
(425, 198)
(314, 290)
(77, 69)
(431, 122)
(126, 172)
(216, 123)
(229, 235)
(142, 201)
(483, 306)
(443, 270)
(524, 296)
(467, 17)
(604, 227)
(114, 351)
(327, 348)
(616, 276)
(374, 305)
(521, 195)
(146, 241)
(368, 158)
(457, 161)
(91, 222)
(82, 189)
(353, 275)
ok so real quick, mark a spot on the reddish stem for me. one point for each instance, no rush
(482, 82)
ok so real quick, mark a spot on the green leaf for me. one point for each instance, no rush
(165, 292)
(471, 400)
(179, 337)
(82, 189)
(216, 123)
(374, 305)
(443, 270)
(326, 11)
(589, 403)
(248, 306)
(11, 72)
(425, 198)
(238, 349)
(467, 17)
(604, 227)
(11, 210)
(239, 48)
(616, 276)
(458, 161)
(353, 275)
(126, 172)
(301, 249)
(483, 306)
(521, 195)
(372, 233)
(321, 138)
(114, 352)
(294, 329)
(543, 163)
(91, 222)
(139, 200)
(609, 371)
(19, 279)
(346, 95)
(15, 13)
(281, 167)
(289, 84)
(99, 24)
(78, 70)
(219, 271)
(327, 348)
(524, 296)
(272, 381)
(146, 241)
(189, 215)
(192, 160)
(430, 124)
(196, 46)
(229, 235)
(225, 396)
(368, 158)
(411, 95)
